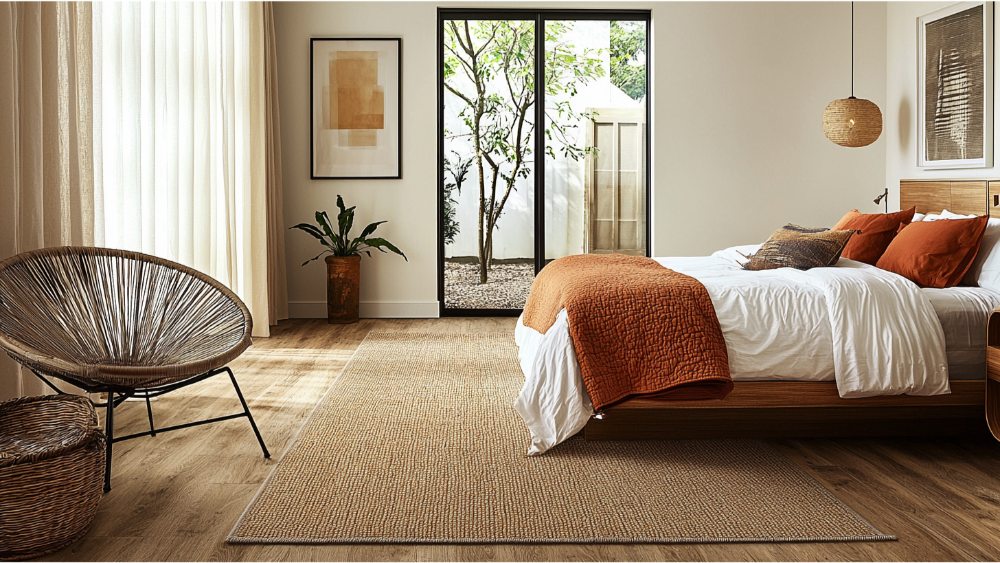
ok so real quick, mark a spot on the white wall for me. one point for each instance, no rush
(739, 148)
(738, 92)
(900, 119)
(389, 285)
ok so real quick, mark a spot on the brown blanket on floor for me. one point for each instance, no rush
(638, 328)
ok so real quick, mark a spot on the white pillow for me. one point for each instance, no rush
(985, 269)
(917, 217)
(948, 215)
(737, 254)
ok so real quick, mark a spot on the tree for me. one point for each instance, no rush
(628, 40)
(489, 66)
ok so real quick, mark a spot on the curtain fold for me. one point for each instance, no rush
(46, 143)
(277, 285)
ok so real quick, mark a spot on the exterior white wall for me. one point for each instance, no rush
(737, 97)
(900, 114)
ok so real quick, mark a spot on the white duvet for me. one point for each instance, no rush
(872, 331)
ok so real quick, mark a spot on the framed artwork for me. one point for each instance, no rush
(356, 104)
(955, 87)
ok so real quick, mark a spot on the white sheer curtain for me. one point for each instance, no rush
(179, 112)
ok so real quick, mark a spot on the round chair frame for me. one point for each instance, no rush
(120, 380)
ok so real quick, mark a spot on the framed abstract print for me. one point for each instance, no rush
(356, 106)
(955, 87)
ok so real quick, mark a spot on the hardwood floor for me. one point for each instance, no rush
(176, 496)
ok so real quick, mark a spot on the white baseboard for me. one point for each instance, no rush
(369, 309)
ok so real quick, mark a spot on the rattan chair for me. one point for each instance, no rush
(122, 323)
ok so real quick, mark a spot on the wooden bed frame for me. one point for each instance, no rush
(778, 409)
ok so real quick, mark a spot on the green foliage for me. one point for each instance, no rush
(459, 169)
(451, 227)
(628, 40)
(340, 243)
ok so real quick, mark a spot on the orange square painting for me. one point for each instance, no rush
(357, 101)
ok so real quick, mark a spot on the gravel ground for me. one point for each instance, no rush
(507, 288)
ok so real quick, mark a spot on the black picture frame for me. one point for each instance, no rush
(395, 129)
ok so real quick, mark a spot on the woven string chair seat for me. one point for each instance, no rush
(99, 317)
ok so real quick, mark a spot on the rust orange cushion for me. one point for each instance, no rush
(935, 253)
(877, 231)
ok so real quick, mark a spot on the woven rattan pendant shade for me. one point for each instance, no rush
(852, 122)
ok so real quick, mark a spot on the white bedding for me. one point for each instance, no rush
(872, 331)
(963, 312)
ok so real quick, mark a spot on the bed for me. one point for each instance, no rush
(810, 404)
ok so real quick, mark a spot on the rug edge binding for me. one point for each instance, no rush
(238, 540)
(294, 442)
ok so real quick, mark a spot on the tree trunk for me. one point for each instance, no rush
(484, 253)
(483, 257)
(482, 211)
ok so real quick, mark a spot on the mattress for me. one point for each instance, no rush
(963, 312)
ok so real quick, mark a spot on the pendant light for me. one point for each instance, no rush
(852, 122)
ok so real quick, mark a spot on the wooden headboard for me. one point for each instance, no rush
(964, 196)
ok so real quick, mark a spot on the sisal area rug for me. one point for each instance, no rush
(417, 442)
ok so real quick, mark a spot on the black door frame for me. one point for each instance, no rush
(538, 173)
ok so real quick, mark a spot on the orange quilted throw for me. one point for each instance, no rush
(638, 328)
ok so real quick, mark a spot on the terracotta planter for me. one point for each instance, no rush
(342, 288)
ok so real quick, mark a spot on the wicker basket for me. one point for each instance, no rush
(51, 473)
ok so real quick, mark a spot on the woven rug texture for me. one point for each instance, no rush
(417, 442)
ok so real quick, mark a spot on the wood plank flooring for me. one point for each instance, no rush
(175, 497)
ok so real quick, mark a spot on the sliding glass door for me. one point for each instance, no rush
(488, 139)
(543, 147)
(595, 123)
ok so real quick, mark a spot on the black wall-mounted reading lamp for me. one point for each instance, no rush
(885, 196)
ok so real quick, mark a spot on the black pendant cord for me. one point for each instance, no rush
(852, 49)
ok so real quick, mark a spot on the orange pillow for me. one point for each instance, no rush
(935, 253)
(876, 232)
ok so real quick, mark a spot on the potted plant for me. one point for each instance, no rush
(344, 265)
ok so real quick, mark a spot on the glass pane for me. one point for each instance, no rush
(595, 159)
(489, 184)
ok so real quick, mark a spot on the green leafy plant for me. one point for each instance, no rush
(459, 169)
(628, 42)
(340, 243)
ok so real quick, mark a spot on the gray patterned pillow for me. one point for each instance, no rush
(798, 247)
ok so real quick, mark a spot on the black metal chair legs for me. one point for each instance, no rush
(118, 395)
(246, 410)
(109, 432)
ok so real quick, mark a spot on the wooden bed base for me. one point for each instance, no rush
(778, 409)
